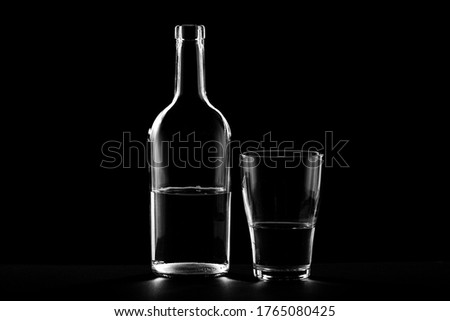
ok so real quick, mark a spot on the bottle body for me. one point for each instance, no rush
(190, 179)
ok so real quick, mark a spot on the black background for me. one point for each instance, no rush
(80, 77)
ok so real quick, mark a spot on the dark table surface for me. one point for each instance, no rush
(337, 281)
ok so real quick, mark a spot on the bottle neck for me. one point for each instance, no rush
(190, 71)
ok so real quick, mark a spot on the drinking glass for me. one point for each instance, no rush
(281, 195)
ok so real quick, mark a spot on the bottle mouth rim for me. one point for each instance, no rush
(189, 32)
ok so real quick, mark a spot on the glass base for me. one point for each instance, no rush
(189, 269)
(269, 273)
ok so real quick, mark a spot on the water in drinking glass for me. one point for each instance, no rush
(282, 246)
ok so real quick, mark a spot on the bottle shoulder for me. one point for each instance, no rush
(190, 116)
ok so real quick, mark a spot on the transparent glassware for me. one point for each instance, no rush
(190, 178)
(281, 195)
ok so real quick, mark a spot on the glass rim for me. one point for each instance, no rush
(281, 153)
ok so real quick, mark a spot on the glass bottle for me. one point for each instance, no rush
(190, 186)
